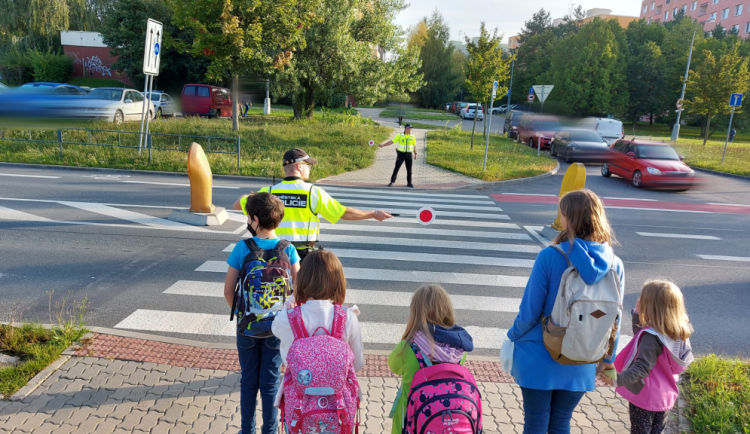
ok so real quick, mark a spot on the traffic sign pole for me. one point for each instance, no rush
(726, 141)
(489, 125)
(151, 62)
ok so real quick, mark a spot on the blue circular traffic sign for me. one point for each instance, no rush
(156, 48)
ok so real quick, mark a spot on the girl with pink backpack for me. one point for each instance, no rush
(438, 394)
(649, 366)
(321, 346)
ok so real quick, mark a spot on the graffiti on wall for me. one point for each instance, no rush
(93, 63)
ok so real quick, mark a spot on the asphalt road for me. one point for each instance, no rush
(103, 235)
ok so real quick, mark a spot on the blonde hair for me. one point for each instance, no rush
(585, 215)
(430, 305)
(663, 308)
(320, 277)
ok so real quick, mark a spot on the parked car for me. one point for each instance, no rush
(646, 163)
(537, 130)
(501, 109)
(206, 100)
(163, 103)
(447, 106)
(63, 89)
(4, 88)
(610, 129)
(116, 104)
(511, 123)
(457, 107)
(470, 110)
(41, 100)
(579, 145)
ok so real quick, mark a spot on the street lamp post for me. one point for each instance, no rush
(676, 128)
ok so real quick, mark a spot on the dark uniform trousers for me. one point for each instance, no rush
(402, 157)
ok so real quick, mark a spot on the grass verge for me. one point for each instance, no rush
(718, 394)
(393, 113)
(505, 158)
(96, 82)
(429, 126)
(690, 144)
(338, 141)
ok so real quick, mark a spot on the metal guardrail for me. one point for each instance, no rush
(154, 141)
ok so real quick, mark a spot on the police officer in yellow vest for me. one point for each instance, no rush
(407, 145)
(304, 202)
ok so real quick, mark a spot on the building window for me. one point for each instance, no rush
(725, 14)
(684, 9)
(674, 12)
(645, 8)
(736, 28)
(652, 6)
(712, 16)
(747, 27)
(666, 15)
(649, 21)
(738, 10)
(668, 1)
(716, 1)
(693, 6)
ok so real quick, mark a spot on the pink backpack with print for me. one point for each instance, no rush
(443, 399)
(321, 393)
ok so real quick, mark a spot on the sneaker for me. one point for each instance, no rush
(410, 185)
(391, 184)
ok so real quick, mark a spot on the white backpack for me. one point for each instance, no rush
(583, 323)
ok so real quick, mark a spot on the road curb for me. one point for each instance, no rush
(40, 377)
(716, 172)
(511, 181)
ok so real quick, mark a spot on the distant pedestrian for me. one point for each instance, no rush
(239, 109)
(321, 343)
(273, 264)
(431, 337)
(551, 390)
(401, 114)
(407, 145)
(732, 133)
(247, 107)
(659, 351)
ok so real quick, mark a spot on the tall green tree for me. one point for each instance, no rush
(713, 81)
(244, 36)
(484, 65)
(341, 55)
(442, 77)
(648, 82)
(33, 23)
(538, 24)
(533, 61)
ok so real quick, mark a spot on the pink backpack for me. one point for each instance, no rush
(443, 399)
(321, 393)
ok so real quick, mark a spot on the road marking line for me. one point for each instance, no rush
(440, 213)
(631, 198)
(213, 267)
(727, 204)
(685, 236)
(362, 297)
(435, 277)
(401, 241)
(29, 176)
(531, 194)
(15, 215)
(398, 193)
(108, 204)
(134, 217)
(418, 204)
(432, 257)
(458, 223)
(534, 231)
(724, 258)
(423, 231)
(435, 198)
(657, 209)
(177, 184)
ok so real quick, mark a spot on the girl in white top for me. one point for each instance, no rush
(320, 283)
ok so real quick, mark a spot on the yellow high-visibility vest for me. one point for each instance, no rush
(303, 202)
(405, 143)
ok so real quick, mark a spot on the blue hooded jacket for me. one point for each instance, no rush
(533, 367)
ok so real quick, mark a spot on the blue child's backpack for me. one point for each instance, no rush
(263, 284)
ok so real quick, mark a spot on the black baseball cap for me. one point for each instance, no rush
(407, 126)
(297, 155)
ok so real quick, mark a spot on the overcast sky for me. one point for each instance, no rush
(507, 15)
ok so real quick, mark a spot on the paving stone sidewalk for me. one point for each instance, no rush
(379, 174)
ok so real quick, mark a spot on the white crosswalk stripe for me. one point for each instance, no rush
(683, 236)
(433, 198)
(421, 230)
(724, 258)
(419, 204)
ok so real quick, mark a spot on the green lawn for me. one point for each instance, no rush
(409, 115)
(96, 82)
(338, 141)
(505, 159)
(690, 144)
(429, 126)
(718, 395)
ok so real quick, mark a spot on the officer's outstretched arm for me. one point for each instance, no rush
(358, 214)
(388, 143)
(238, 204)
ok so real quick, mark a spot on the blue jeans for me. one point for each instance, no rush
(548, 411)
(260, 360)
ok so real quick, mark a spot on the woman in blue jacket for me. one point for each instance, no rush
(551, 391)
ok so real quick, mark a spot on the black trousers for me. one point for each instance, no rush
(646, 422)
(402, 157)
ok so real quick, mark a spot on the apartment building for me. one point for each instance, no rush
(732, 14)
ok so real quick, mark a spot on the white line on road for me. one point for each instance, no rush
(534, 231)
(433, 198)
(631, 198)
(440, 222)
(12, 214)
(657, 209)
(177, 184)
(685, 236)
(127, 205)
(727, 204)
(419, 204)
(134, 217)
(213, 267)
(29, 176)
(401, 241)
(435, 277)
(397, 193)
(530, 194)
(432, 257)
(724, 258)
(440, 213)
(420, 230)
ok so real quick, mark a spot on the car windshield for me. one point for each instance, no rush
(36, 88)
(657, 152)
(108, 94)
(585, 136)
(155, 96)
(548, 125)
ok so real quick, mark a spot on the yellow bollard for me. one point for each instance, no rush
(574, 179)
(201, 179)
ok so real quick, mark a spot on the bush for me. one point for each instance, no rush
(56, 68)
(15, 68)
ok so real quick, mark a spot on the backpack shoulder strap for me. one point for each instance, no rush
(559, 249)
(252, 245)
(422, 358)
(298, 326)
(339, 321)
(283, 244)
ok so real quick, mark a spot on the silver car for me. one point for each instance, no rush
(163, 103)
(115, 104)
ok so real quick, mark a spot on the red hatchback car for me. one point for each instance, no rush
(647, 163)
(537, 129)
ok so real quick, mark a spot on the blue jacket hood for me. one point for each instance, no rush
(593, 260)
(455, 336)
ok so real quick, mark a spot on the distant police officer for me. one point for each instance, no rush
(407, 145)
(304, 202)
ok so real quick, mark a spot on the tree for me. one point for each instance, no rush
(570, 23)
(244, 36)
(442, 77)
(538, 23)
(714, 81)
(648, 84)
(342, 55)
(533, 61)
(719, 32)
(33, 23)
(485, 65)
(416, 35)
(676, 47)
